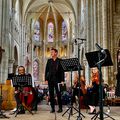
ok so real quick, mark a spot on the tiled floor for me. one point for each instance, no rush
(44, 114)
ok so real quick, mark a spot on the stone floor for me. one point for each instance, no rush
(44, 114)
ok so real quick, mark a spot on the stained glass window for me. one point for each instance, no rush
(36, 70)
(36, 35)
(50, 32)
(64, 31)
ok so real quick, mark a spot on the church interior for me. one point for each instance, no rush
(30, 28)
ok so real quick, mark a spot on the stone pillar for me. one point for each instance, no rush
(111, 43)
(11, 52)
(88, 45)
(104, 21)
(95, 22)
(10, 66)
(99, 17)
(92, 24)
(23, 45)
(1, 20)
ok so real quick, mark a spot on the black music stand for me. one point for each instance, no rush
(99, 59)
(22, 81)
(70, 65)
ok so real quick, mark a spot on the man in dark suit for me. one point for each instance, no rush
(54, 74)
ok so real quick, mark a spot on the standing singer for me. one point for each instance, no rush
(54, 74)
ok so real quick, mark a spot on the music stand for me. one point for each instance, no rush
(99, 59)
(22, 81)
(70, 65)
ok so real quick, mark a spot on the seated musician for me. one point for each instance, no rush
(26, 90)
(93, 91)
(76, 88)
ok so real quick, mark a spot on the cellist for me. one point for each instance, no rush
(26, 95)
(21, 71)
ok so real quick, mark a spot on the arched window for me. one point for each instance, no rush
(36, 29)
(64, 31)
(50, 32)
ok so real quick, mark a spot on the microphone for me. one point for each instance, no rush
(81, 39)
(99, 48)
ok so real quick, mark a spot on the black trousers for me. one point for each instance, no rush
(53, 87)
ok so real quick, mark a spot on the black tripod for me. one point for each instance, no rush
(98, 59)
(1, 113)
(70, 65)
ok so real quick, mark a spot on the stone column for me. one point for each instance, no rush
(95, 22)
(10, 66)
(111, 45)
(23, 44)
(11, 52)
(4, 41)
(1, 20)
(88, 45)
(104, 21)
(99, 21)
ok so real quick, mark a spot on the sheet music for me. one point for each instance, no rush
(19, 80)
(60, 84)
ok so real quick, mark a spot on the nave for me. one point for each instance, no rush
(30, 28)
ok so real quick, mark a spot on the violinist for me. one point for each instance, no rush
(93, 91)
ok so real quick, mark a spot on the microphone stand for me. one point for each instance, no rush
(99, 66)
(80, 115)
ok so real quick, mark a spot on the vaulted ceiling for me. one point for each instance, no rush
(45, 9)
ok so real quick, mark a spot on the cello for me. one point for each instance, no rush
(27, 97)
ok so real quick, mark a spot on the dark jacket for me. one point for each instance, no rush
(117, 91)
(59, 74)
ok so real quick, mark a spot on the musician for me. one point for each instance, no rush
(76, 88)
(22, 95)
(54, 74)
(93, 91)
(21, 71)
